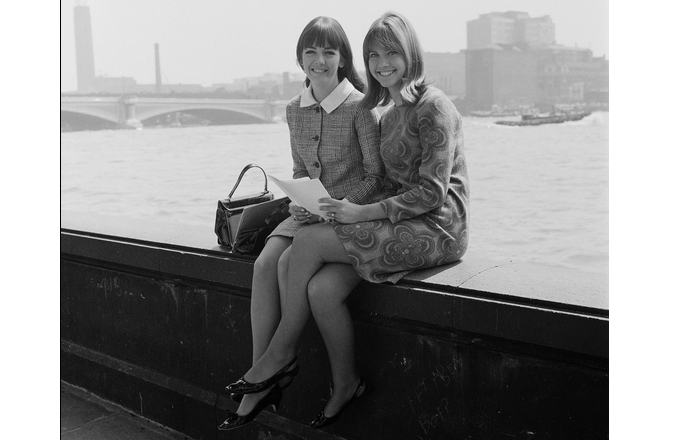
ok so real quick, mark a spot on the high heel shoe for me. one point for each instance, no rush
(236, 397)
(322, 420)
(242, 386)
(235, 420)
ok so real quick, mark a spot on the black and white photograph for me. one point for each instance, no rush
(343, 220)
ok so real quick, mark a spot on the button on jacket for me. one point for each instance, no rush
(337, 142)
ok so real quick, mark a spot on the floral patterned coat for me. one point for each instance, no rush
(425, 194)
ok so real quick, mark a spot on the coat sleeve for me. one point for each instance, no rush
(438, 126)
(368, 133)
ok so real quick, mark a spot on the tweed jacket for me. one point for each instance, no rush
(337, 142)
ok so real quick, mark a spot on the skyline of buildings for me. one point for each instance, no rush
(512, 27)
(511, 59)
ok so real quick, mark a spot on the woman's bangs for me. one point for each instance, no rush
(322, 36)
(384, 37)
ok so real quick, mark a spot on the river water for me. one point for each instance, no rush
(539, 195)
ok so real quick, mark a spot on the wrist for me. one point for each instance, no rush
(363, 213)
(373, 211)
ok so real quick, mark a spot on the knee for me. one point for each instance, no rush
(267, 261)
(320, 296)
(310, 245)
(264, 263)
(284, 263)
(308, 238)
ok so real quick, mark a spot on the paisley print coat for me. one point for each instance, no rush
(425, 194)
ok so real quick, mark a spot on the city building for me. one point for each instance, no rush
(268, 86)
(446, 71)
(570, 74)
(115, 85)
(503, 76)
(510, 28)
(293, 84)
(513, 60)
(535, 32)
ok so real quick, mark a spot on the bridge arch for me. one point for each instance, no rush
(255, 110)
(127, 111)
(75, 121)
(102, 108)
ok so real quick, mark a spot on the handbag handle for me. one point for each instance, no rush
(240, 176)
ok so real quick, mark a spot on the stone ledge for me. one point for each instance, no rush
(529, 284)
(512, 302)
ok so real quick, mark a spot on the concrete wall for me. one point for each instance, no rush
(159, 322)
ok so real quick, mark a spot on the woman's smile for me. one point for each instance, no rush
(387, 66)
(321, 65)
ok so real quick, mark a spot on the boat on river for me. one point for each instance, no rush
(554, 118)
(492, 113)
(496, 111)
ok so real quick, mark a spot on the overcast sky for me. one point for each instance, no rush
(215, 41)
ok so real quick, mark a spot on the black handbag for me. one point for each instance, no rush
(242, 224)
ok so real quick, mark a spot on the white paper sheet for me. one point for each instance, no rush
(304, 192)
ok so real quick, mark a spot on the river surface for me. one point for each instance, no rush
(539, 195)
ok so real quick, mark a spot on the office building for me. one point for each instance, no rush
(504, 76)
(510, 28)
(535, 32)
(446, 71)
(571, 74)
(513, 60)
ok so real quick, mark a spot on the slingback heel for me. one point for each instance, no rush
(321, 420)
(291, 374)
(235, 420)
(242, 386)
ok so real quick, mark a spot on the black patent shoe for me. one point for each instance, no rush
(242, 386)
(236, 397)
(321, 420)
(234, 420)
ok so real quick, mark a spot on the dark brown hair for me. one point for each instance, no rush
(327, 32)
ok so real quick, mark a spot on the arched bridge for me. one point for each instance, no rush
(131, 111)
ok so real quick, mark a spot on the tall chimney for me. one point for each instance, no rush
(157, 68)
(86, 77)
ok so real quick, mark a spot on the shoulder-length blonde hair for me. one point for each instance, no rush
(394, 32)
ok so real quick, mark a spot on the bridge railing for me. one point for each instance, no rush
(128, 111)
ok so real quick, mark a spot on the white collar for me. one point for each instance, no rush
(333, 100)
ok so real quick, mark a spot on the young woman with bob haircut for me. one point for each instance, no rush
(334, 139)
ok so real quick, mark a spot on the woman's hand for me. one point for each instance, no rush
(341, 211)
(301, 215)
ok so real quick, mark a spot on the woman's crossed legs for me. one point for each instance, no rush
(315, 276)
